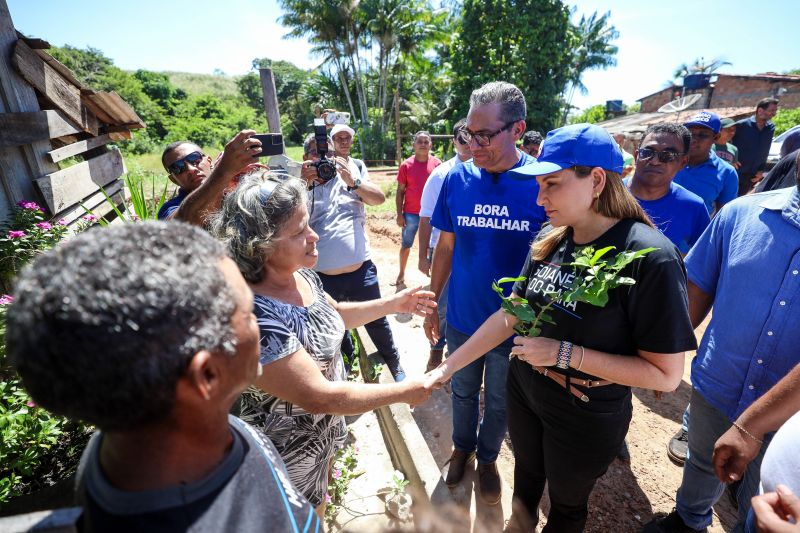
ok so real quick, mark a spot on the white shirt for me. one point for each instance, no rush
(430, 193)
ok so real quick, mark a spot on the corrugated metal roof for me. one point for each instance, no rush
(638, 122)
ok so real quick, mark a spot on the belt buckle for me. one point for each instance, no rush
(584, 398)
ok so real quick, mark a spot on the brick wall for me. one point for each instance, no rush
(742, 91)
(651, 103)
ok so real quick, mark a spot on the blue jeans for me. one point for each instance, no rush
(470, 434)
(700, 488)
(410, 229)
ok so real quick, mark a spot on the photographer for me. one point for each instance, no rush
(337, 215)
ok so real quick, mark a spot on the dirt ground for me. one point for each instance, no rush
(624, 499)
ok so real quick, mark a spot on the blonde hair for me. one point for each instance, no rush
(615, 201)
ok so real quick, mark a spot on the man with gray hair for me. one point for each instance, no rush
(108, 328)
(487, 216)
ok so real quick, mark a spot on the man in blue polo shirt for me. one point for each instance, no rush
(706, 175)
(747, 259)
(681, 215)
(487, 218)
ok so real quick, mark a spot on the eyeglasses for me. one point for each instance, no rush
(664, 156)
(461, 139)
(484, 139)
(180, 165)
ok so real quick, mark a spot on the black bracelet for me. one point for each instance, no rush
(564, 355)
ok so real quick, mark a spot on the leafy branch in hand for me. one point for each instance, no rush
(594, 277)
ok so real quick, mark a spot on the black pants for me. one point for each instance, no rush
(359, 286)
(745, 183)
(560, 442)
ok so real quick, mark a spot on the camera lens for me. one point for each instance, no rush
(326, 170)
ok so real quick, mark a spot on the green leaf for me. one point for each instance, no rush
(600, 253)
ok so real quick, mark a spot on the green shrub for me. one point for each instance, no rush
(785, 119)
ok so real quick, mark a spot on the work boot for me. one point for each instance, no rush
(434, 359)
(458, 463)
(489, 483)
(678, 447)
(672, 523)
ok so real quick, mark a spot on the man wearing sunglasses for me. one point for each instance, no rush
(488, 217)
(680, 214)
(202, 182)
(428, 236)
(706, 175)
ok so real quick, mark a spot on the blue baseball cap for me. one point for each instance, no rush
(576, 145)
(704, 119)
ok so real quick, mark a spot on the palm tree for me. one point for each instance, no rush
(700, 66)
(593, 50)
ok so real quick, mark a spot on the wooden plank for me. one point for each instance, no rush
(111, 108)
(66, 187)
(59, 154)
(120, 135)
(50, 83)
(270, 100)
(34, 42)
(73, 213)
(18, 165)
(59, 67)
(24, 128)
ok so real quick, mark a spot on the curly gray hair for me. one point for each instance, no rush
(252, 217)
(103, 326)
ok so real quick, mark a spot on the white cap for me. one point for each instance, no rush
(340, 128)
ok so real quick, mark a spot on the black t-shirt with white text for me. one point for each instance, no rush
(651, 315)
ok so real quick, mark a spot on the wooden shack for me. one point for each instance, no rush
(48, 116)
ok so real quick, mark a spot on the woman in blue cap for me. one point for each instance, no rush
(569, 397)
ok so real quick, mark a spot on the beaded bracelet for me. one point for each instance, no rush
(564, 355)
(740, 428)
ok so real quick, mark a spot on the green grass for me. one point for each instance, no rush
(196, 84)
(388, 206)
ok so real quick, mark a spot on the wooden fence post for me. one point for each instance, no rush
(270, 100)
(398, 141)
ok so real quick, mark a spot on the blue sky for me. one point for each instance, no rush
(203, 35)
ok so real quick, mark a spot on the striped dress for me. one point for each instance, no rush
(305, 441)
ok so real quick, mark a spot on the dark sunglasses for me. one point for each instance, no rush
(180, 165)
(665, 156)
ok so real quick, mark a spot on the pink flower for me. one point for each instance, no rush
(135, 218)
(6, 299)
(337, 473)
(29, 205)
(16, 234)
(44, 225)
(89, 218)
(62, 222)
(327, 498)
(30, 404)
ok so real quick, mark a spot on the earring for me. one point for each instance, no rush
(597, 196)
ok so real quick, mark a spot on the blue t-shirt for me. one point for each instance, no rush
(172, 205)
(748, 259)
(494, 218)
(680, 215)
(713, 180)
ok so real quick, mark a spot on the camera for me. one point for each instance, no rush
(326, 168)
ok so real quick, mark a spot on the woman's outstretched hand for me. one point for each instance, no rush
(415, 300)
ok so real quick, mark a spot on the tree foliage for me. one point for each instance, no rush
(785, 119)
(592, 115)
(525, 42)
